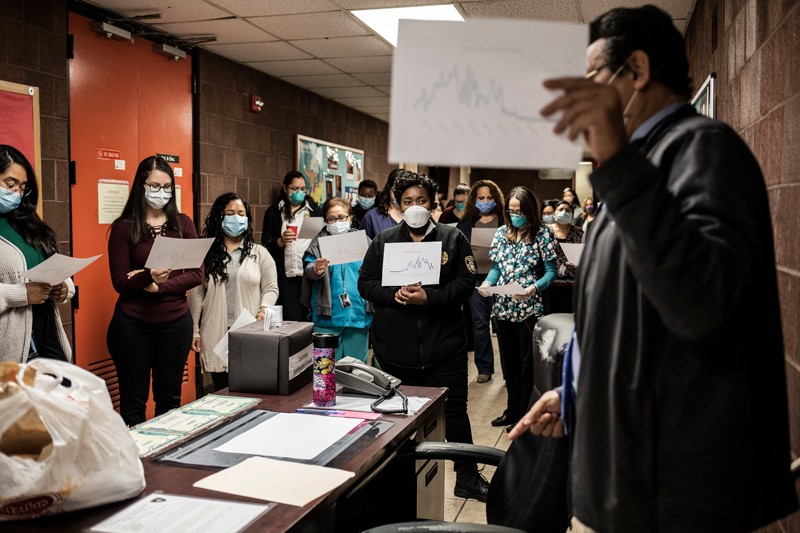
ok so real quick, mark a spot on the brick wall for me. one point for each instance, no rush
(249, 153)
(33, 52)
(753, 47)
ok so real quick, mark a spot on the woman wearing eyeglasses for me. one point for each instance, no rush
(331, 291)
(30, 324)
(151, 330)
(239, 274)
(522, 251)
(282, 221)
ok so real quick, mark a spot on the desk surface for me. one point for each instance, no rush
(175, 479)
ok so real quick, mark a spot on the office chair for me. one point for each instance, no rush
(528, 491)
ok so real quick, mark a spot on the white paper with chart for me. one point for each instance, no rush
(469, 93)
(407, 263)
(345, 248)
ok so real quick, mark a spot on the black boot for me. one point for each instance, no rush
(470, 483)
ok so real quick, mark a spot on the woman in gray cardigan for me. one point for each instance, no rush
(239, 274)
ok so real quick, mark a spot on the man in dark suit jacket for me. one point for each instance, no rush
(679, 420)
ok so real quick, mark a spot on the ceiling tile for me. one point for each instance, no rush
(521, 9)
(381, 116)
(345, 92)
(376, 4)
(679, 10)
(373, 108)
(226, 30)
(302, 67)
(276, 50)
(327, 80)
(364, 101)
(384, 88)
(311, 25)
(262, 8)
(363, 64)
(172, 11)
(375, 78)
(345, 47)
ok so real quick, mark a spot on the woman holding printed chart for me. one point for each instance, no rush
(151, 330)
(523, 251)
(30, 324)
(482, 212)
(282, 221)
(413, 332)
(560, 292)
(239, 274)
(331, 291)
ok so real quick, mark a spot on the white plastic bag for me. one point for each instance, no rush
(92, 459)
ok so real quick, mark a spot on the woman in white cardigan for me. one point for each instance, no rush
(239, 274)
(30, 324)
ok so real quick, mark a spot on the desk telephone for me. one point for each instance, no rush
(357, 377)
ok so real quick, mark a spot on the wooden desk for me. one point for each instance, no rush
(386, 487)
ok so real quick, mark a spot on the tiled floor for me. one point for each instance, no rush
(486, 402)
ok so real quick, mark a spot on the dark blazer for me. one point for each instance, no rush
(681, 414)
(271, 231)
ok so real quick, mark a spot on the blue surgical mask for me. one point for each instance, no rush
(518, 221)
(339, 227)
(297, 197)
(563, 217)
(548, 219)
(234, 225)
(486, 207)
(460, 205)
(366, 203)
(8, 200)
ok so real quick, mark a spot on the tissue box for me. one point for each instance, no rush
(278, 361)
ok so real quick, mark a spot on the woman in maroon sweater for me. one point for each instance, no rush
(151, 329)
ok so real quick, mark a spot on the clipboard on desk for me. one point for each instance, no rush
(202, 452)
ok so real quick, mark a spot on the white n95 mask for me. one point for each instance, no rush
(416, 216)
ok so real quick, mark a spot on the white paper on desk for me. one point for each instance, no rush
(348, 402)
(169, 252)
(573, 251)
(407, 263)
(344, 248)
(168, 513)
(310, 227)
(511, 289)
(244, 318)
(58, 268)
(291, 435)
(482, 237)
(469, 93)
(276, 481)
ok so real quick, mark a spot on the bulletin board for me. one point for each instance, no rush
(330, 169)
(19, 125)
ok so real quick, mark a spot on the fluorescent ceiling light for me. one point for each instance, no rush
(384, 21)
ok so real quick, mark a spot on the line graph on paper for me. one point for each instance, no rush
(407, 263)
(470, 93)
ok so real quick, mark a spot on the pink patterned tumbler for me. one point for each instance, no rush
(325, 345)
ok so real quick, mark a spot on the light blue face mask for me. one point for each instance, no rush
(548, 219)
(8, 200)
(518, 221)
(366, 203)
(234, 225)
(563, 217)
(297, 197)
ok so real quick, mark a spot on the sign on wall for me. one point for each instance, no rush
(330, 169)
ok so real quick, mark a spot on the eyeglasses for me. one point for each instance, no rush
(340, 218)
(13, 185)
(514, 212)
(155, 187)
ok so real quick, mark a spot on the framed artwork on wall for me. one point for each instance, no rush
(704, 99)
(329, 169)
(20, 126)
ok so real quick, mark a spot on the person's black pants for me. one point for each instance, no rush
(514, 339)
(289, 298)
(450, 373)
(139, 348)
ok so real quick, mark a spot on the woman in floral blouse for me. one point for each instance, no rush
(523, 251)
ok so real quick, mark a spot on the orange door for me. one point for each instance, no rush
(126, 103)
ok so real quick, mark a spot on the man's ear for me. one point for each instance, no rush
(639, 65)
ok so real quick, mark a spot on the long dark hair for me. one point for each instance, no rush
(135, 209)
(528, 206)
(217, 258)
(385, 196)
(471, 213)
(287, 204)
(24, 219)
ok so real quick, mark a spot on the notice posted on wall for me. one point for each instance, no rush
(111, 198)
